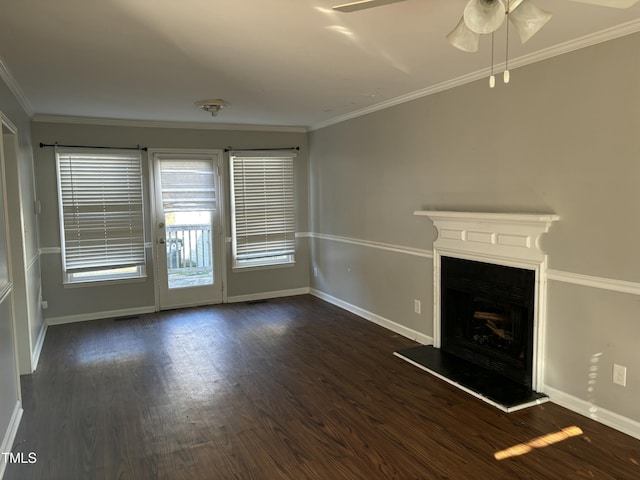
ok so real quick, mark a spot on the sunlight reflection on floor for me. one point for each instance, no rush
(538, 442)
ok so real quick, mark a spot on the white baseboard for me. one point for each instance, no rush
(606, 417)
(10, 435)
(266, 295)
(150, 309)
(84, 317)
(37, 348)
(377, 319)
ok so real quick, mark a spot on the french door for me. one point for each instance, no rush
(187, 228)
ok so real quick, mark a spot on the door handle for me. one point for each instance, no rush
(162, 241)
(161, 225)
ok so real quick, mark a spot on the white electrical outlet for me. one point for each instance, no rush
(315, 271)
(45, 304)
(619, 375)
(417, 306)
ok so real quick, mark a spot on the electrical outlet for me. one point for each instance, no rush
(315, 271)
(417, 306)
(45, 304)
(619, 375)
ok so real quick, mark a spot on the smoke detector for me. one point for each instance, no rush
(212, 106)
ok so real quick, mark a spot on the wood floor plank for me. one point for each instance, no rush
(291, 388)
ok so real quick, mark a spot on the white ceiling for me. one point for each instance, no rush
(278, 62)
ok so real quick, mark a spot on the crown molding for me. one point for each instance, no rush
(114, 122)
(566, 47)
(12, 84)
(582, 42)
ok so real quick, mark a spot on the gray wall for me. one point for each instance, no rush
(562, 137)
(70, 303)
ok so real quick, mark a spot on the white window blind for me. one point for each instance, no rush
(187, 183)
(101, 213)
(263, 208)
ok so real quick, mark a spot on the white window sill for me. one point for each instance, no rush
(263, 267)
(99, 283)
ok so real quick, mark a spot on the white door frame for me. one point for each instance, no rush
(18, 346)
(15, 256)
(151, 152)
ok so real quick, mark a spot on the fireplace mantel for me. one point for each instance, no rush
(511, 239)
(508, 236)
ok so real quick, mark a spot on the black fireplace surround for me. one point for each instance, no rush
(487, 316)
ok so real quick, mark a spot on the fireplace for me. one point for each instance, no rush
(489, 279)
(487, 316)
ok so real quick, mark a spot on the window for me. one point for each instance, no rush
(101, 215)
(262, 208)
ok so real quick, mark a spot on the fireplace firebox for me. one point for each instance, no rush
(487, 316)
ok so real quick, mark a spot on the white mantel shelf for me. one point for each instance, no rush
(505, 236)
(533, 218)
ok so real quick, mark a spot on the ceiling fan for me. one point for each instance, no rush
(481, 17)
(364, 4)
(485, 16)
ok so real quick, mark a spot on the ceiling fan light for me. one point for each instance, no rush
(528, 19)
(610, 3)
(463, 38)
(484, 16)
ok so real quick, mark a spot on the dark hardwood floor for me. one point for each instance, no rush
(287, 389)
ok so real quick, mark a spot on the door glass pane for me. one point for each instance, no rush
(189, 249)
(189, 201)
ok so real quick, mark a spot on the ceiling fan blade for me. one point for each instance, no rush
(363, 4)
(610, 3)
